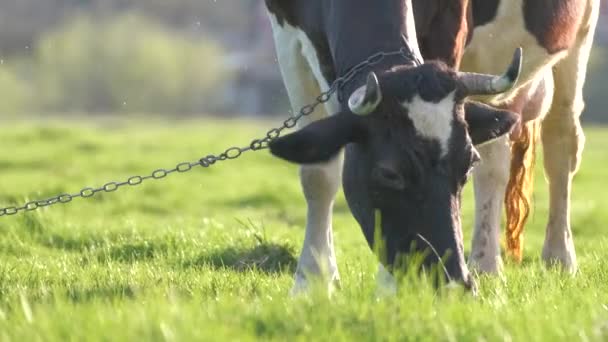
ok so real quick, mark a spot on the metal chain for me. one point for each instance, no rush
(229, 153)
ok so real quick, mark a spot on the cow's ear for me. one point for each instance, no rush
(487, 123)
(319, 141)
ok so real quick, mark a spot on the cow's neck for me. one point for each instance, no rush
(345, 33)
(357, 29)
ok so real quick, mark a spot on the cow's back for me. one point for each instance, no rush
(546, 29)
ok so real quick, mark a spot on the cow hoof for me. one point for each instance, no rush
(560, 255)
(482, 264)
(302, 285)
(386, 284)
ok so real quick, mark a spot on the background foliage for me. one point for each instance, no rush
(164, 57)
(126, 64)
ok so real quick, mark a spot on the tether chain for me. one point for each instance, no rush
(230, 153)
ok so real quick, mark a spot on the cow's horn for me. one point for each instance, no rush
(481, 84)
(365, 99)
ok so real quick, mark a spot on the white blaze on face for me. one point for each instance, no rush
(433, 120)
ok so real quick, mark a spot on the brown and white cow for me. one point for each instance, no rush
(556, 36)
(409, 144)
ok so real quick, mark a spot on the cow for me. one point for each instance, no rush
(557, 36)
(398, 137)
(413, 127)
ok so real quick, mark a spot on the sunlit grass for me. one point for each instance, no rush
(209, 255)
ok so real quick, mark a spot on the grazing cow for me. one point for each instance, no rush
(556, 36)
(408, 144)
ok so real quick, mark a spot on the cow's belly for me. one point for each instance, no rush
(493, 44)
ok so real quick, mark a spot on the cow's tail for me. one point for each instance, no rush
(518, 194)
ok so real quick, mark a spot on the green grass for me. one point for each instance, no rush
(209, 255)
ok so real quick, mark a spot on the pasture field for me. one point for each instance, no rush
(209, 255)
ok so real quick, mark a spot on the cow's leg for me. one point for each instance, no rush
(490, 179)
(320, 182)
(532, 102)
(563, 141)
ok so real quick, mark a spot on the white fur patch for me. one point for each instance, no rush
(433, 120)
(286, 35)
(300, 68)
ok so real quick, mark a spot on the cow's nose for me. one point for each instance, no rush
(388, 176)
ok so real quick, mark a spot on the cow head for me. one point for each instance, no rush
(410, 140)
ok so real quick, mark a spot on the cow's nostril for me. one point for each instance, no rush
(389, 177)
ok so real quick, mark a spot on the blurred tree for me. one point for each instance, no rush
(23, 21)
(240, 26)
(127, 64)
(15, 92)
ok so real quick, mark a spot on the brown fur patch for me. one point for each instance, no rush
(442, 29)
(554, 23)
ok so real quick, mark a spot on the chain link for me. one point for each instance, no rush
(228, 154)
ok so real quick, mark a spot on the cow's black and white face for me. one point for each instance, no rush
(409, 138)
